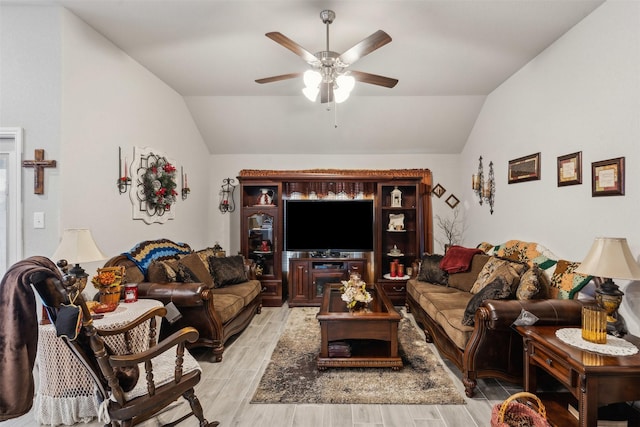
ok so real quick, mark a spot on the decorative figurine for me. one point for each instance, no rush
(396, 198)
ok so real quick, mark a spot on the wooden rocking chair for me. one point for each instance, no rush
(131, 388)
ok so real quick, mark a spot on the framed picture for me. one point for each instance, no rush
(607, 177)
(570, 169)
(525, 168)
(439, 190)
(452, 201)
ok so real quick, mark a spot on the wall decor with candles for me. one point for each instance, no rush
(484, 189)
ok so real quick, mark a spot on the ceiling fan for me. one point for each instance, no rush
(329, 75)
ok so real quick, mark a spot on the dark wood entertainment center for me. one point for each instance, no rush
(402, 229)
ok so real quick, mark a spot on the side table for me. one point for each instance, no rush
(593, 379)
(66, 392)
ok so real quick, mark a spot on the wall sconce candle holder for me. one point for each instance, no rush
(184, 185)
(227, 203)
(477, 181)
(489, 189)
(124, 181)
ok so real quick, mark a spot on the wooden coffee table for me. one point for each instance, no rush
(372, 335)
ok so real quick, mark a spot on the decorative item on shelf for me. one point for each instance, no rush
(265, 198)
(396, 222)
(77, 246)
(159, 184)
(124, 181)
(477, 181)
(395, 251)
(227, 204)
(489, 189)
(355, 294)
(608, 258)
(184, 185)
(108, 283)
(396, 198)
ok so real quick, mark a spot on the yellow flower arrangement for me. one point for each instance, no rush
(354, 292)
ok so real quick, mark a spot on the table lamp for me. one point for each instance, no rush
(610, 258)
(77, 246)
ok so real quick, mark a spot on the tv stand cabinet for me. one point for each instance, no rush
(263, 226)
(307, 277)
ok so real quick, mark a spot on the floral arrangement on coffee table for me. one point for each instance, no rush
(354, 293)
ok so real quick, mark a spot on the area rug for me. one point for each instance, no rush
(292, 376)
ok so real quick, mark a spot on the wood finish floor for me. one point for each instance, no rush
(226, 389)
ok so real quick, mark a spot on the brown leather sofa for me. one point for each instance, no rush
(217, 312)
(490, 348)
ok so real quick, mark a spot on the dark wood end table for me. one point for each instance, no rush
(594, 379)
(374, 333)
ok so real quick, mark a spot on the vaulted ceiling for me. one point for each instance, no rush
(448, 55)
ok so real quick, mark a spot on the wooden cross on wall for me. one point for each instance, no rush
(38, 166)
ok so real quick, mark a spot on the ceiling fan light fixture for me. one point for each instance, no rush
(311, 93)
(312, 79)
(346, 83)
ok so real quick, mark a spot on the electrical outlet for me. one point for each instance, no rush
(38, 220)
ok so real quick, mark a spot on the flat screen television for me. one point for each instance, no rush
(328, 225)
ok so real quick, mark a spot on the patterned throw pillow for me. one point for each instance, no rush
(565, 283)
(533, 285)
(430, 270)
(204, 255)
(228, 270)
(496, 267)
(190, 269)
(485, 247)
(161, 272)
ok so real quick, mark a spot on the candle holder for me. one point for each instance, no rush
(227, 203)
(489, 189)
(184, 185)
(124, 181)
(477, 181)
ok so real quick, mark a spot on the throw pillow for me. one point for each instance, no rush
(498, 289)
(161, 272)
(228, 270)
(204, 255)
(430, 270)
(190, 268)
(497, 267)
(485, 247)
(565, 283)
(464, 281)
(533, 285)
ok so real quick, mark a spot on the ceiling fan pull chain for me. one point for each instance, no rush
(335, 114)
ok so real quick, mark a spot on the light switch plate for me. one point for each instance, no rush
(38, 220)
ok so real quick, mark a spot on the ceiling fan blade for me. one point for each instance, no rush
(373, 79)
(365, 47)
(278, 78)
(293, 47)
(326, 92)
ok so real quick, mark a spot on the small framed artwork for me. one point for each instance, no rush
(439, 190)
(525, 168)
(607, 177)
(452, 201)
(570, 169)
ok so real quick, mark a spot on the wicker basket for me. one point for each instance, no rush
(512, 413)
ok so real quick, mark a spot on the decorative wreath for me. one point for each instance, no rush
(159, 183)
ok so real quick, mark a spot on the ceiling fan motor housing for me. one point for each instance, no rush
(327, 16)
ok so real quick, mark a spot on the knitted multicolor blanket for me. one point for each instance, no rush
(145, 252)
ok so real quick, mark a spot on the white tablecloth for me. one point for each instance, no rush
(66, 393)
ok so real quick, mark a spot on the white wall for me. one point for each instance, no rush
(226, 227)
(30, 92)
(109, 100)
(581, 94)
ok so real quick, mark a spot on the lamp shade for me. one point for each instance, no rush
(610, 257)
(77, 246)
